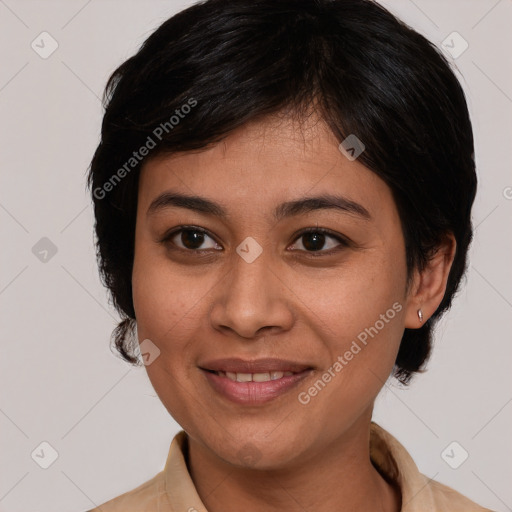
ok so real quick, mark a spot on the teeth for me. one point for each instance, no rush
(260, 377)
(254, 377)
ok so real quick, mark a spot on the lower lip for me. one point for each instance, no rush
(253, 393)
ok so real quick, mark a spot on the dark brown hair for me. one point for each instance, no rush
(231, 61)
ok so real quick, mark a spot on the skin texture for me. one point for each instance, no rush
(285, 305)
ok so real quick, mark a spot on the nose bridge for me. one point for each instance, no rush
(251, 296)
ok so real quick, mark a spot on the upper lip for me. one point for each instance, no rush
(237, 365)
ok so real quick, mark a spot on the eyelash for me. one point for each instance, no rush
(344, 242)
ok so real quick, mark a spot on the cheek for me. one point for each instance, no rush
(171, 306)
(358, 312)
(343, 302)
(165, 315)
(163, 296)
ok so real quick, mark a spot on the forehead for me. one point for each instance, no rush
(263, 163)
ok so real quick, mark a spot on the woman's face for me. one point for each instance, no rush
(250, 285)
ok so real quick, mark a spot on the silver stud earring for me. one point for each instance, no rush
(420, 315)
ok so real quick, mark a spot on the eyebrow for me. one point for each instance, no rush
(284, 210)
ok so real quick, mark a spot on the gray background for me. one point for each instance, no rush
(61, 383)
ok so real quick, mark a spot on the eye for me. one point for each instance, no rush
(315, 240)
(189, 238)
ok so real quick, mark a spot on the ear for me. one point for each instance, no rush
(428, 286)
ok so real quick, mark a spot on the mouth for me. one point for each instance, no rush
(251, 389)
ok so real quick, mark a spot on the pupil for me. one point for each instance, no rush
(317, 239)
(190, 237)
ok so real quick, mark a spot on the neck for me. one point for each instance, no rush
(340, 477)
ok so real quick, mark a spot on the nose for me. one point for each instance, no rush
(252, 300)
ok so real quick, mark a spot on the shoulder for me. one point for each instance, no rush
(147, 497)
(419, 492)
(446, 498)
(155, 494)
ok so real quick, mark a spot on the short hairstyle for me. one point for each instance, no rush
(221, 63)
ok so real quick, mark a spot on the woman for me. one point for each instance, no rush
(282, 195)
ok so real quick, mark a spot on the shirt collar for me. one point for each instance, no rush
(386, 453)
(395, 463)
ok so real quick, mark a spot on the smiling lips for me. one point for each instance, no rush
(253, 382)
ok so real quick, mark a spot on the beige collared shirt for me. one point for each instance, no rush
(172, 490)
